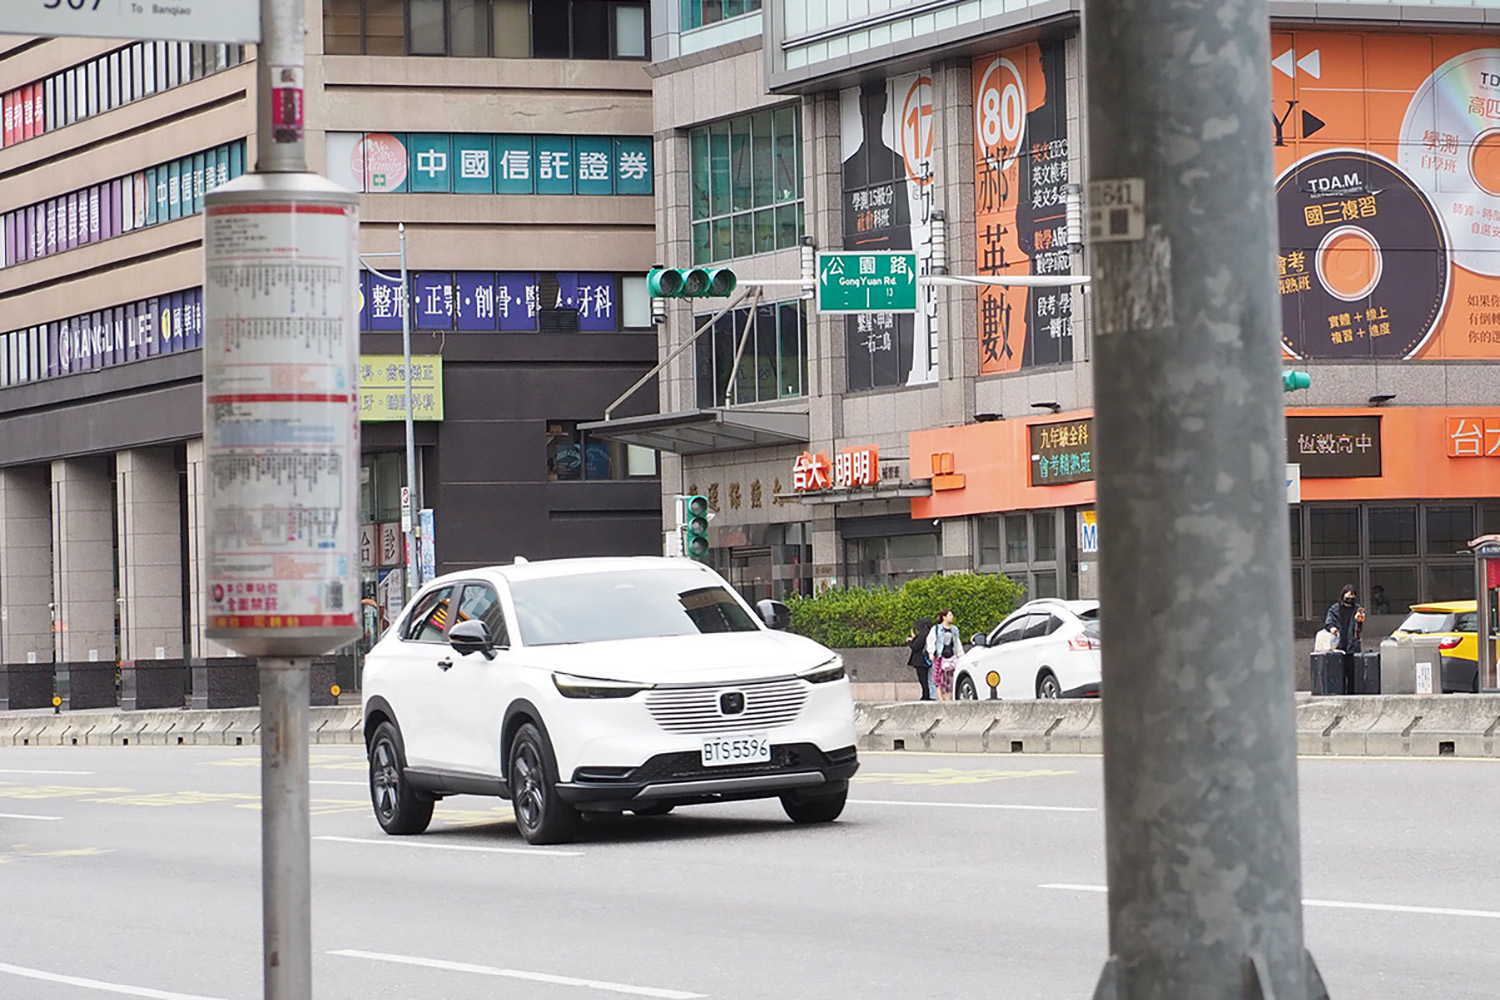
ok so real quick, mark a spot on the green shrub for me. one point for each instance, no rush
(879, 616)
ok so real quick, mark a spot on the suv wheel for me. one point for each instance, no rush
(814, 809)
(399, 808)
(1047, 686)
(541, 816)
(966, 690)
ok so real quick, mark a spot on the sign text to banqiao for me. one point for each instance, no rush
(873, 281)
(853, 467)
(174, 20)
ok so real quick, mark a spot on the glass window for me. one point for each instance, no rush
(1045, 524)
(1450, 583)
(426, 28)
(429, 619)
(549, 30)
(481, 603)
(1044, 583)
(1296, 532)
(1297, 610)
(1333, 531)
(697, 13)
(636, 604)
(989, 541)
(469, 27)
(1393, 589)
(774, 362)
(1328, 583)
(741, 170)
(1393, 531)
(1011, 630)
(630, 31)
(1017, 545)
(590, 30)
(385, 27)
(1449, 529)
(1040, 625)
(511, 20)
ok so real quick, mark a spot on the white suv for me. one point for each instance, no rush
(600, 685)
(1047, 648)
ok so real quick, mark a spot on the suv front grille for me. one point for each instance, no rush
(696, 709)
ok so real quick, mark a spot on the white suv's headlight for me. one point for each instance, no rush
(829, 670)
(570, 686)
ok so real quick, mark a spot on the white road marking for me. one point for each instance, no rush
(535, 977)
(5, 770)
(25, 816)
(1332, 904)
(971, 805)
(409, 842)
(352, 784)
(94, 984)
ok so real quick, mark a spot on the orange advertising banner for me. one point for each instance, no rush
(1021, 179)
(1388, 194)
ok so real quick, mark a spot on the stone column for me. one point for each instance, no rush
(25, 566)
(197, 493)
(150, 532)
(83, 580)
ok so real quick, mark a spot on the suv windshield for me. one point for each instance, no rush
(599, 607)
(1419, 622)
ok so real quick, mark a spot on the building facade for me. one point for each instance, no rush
(512, 140)
(870, 448)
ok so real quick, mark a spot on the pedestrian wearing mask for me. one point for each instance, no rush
(944, 649)
(1346, 619)
(916, 642)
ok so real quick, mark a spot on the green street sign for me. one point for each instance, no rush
(872, 281)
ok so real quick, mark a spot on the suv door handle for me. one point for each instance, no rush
(444, 664)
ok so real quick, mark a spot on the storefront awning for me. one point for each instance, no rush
(697, 432)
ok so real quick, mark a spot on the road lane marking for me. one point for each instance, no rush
(26, 816)
(1333, 904)
(953, 776)
(7, 770)
(534, 977)
(95, 984)
(972, 805)
(20, 852)
(352, 784)
(408, 842)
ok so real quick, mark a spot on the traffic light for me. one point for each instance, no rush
(1292, 380)
(690, 282)
(693, 519)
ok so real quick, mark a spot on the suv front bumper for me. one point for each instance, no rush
(681, 778)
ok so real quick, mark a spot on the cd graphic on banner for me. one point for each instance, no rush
(1364, 260)
(1450, 145)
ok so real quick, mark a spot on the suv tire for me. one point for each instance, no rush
(814, 809)
(399, 808)
(541, 816)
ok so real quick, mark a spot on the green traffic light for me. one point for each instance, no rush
(1293, 380)
(695, 526)
(690, 282)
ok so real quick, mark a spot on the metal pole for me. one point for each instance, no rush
(732, 390)
(1200, 767)
(1482, 596)
(413, 533)
(285, 863)
(280, 145)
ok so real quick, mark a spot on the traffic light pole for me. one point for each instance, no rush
(1200, 767)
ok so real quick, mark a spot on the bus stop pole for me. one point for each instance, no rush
(1200, 768)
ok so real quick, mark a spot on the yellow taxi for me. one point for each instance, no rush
(1458, 624)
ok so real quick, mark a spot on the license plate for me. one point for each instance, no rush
(721, 750)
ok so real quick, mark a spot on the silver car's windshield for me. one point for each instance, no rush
(627, 604)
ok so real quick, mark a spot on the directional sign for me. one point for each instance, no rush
(166, 20)
(873, 281)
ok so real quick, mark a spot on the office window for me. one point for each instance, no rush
(772, 361)
(544, 29)
(697, 13)
(567, 447)
(1449, 530)
(747, 185)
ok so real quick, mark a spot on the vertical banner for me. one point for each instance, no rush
(1388, 195)
(281, 419)
(1021, 174)
(888, 184)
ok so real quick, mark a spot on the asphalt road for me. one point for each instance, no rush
(135, 872)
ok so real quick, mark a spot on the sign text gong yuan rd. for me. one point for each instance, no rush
(165, 20)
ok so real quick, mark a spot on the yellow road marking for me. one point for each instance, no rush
(20, 852)
(321, 761)
(38, 792)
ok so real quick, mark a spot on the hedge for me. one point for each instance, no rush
(879, 616)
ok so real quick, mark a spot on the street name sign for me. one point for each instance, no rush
(156, 20)
(867, 281)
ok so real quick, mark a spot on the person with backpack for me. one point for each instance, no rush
(944, 648)
(916, 641)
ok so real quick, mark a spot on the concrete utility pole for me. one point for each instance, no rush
(1200, 769)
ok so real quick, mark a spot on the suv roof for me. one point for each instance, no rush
(544, 568)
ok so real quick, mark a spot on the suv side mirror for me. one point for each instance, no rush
(775, 614)
(978, 639)
(472, 636)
